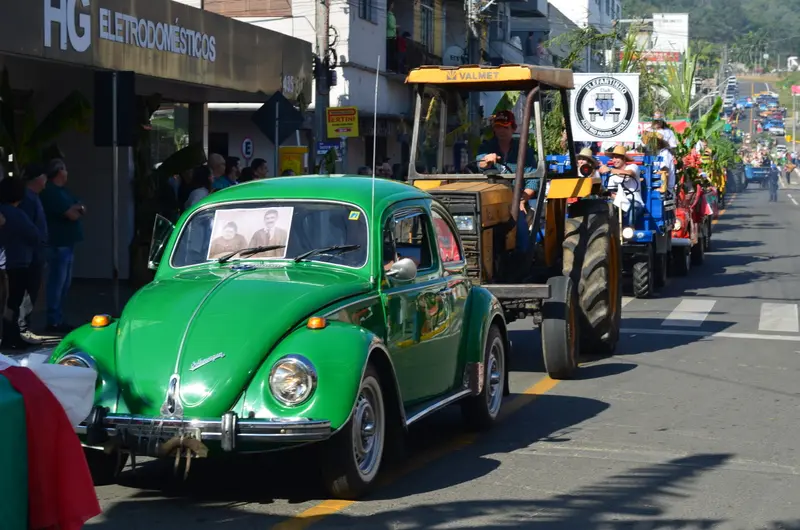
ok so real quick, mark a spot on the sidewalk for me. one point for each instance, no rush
(86, 299)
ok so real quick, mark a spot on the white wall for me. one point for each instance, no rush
(193, 3)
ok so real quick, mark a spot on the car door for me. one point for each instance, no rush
(413, 306)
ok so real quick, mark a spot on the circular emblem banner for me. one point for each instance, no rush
(605, 107)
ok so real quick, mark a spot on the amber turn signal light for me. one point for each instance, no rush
(316, 323)
(101, 321)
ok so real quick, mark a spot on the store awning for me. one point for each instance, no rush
(160, 39)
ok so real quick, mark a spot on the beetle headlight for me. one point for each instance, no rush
(678, 225)
(627, 232)
(79, 359)
(465, 223)
(292, 380)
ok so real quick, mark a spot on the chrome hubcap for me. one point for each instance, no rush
(367, 430)
(494, 374)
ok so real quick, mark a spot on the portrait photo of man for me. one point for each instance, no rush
(271, 234)
(229, 241)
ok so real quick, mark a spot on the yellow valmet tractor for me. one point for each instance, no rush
(557, 262)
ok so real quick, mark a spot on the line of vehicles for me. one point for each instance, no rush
(420, 282)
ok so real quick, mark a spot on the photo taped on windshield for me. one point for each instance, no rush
(305, 225)
(240, 228)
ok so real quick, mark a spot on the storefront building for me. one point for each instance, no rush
(182, 57)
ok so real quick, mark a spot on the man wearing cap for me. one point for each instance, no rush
(504, 148)
(623, 171)
(35, 176)
(663, 153)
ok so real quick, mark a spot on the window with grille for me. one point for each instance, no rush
(426, 14)
(367, 10)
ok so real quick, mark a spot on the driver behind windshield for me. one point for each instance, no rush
(501, 151)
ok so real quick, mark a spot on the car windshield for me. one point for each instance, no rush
(296, 227)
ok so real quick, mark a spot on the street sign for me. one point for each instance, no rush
(278, 113)
(247, 148)
(324, 147)
(342, 122)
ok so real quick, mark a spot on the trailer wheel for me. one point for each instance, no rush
(559, 329)
(643, 276)
(681, 261)
(593, 261)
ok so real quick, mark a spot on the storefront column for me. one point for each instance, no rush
(198, 124)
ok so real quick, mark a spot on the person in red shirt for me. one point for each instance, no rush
(402, 49)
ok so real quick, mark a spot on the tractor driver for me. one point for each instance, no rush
(504, 148)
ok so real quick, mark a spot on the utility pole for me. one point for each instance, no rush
(321, 72)
(794, 122)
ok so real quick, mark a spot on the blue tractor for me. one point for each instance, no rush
(647, 241)
(756, 175)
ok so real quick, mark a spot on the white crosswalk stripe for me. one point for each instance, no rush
(778, 317)
(690, 313)
(769, 317)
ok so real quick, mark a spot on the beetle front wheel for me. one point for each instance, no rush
(353, 456)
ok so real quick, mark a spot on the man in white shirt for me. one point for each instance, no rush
(623, 172)
(660, 126)
(667, 160)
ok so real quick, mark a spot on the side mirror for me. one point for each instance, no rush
(403, 269)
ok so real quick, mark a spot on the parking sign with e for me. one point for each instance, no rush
(247, 148)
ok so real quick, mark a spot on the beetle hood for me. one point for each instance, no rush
(213, 329)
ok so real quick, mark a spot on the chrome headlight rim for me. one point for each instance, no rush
(81, 357)
(309, 370)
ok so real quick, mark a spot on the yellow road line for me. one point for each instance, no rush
(729, 202)
(308, 517)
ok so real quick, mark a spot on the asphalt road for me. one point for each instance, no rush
(692, 425)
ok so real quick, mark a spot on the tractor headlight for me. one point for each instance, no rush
(292, 380)
(678, 225)
(627, 232)
(465, 223)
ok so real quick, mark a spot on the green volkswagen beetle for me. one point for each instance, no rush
(319, 309)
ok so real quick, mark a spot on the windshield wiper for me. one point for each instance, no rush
(249, 251)
(335, 248)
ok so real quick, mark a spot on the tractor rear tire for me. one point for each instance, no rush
(560, 332)
(593, 261)
(643, 276)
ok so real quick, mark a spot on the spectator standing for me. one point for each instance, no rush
(247, 175)
(402, 52)
(217, 165)
(64, 214)
(200, 187)
(35, 176)
(260, 168)
(231, 176)
(21, 239)
(391, 38)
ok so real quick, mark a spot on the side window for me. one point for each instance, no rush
(446, 240)
(407, 236)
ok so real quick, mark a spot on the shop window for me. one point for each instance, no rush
(427, 24)
(367, 10)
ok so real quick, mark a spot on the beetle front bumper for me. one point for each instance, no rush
(147, 433)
